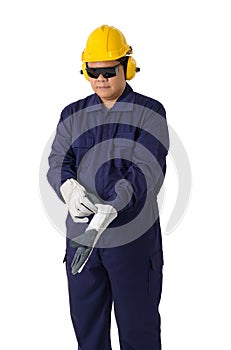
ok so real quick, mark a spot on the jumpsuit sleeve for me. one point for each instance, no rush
(61, 159)
(156, 143)
(148, 167)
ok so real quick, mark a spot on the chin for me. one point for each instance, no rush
(104, 95)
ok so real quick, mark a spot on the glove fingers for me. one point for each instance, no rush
(76, 256)
(80, 220)
(76, 218)
(79, 259)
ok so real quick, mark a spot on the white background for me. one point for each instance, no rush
(183, 49)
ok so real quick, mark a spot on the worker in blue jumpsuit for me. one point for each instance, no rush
(107, 163)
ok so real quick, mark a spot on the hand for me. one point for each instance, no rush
(75, 196)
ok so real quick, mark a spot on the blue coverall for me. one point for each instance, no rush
(126, 265)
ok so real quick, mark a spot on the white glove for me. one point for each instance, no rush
(104, 216)
(87, 241)
(75, 196)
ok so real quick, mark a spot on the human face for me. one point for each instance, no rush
(108, 89)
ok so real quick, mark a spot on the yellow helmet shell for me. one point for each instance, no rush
(105, 43)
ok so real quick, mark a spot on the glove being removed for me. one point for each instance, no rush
(76, 198)
(87, 241)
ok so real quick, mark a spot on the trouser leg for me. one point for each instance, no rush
(135, 272)
(90, 303)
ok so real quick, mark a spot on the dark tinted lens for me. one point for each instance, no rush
(93, 72)
(108, 72)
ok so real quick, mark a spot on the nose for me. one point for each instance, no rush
(101, 78)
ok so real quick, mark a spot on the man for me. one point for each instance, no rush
(107, 163)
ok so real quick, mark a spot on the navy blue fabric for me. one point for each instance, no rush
(129, 275)
(69, 148)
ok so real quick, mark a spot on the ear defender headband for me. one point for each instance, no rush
(128, 62)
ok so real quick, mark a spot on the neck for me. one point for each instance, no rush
(109, 104)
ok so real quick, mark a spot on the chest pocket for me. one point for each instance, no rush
(81, 146)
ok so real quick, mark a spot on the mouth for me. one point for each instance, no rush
(103, 87)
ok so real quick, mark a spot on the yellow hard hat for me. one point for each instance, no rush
(105, 43)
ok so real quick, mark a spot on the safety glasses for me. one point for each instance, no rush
(107, 72)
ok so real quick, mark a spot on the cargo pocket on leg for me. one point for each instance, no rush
(155, 276)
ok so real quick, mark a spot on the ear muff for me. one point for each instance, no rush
(131, 68)
(84, 72)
